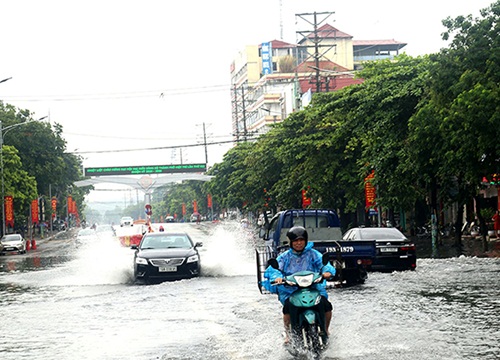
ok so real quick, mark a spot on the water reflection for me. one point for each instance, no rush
(21, 263)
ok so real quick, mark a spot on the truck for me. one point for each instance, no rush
(350, 258)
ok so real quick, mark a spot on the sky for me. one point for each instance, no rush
(123, 75)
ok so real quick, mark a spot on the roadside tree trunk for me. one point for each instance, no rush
(458, 228)
(483, 227)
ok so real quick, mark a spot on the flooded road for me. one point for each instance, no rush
(67, 303)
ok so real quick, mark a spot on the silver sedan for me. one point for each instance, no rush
(13, 242)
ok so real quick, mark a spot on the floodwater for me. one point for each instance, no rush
(66, 303)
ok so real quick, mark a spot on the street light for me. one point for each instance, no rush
(3, 131)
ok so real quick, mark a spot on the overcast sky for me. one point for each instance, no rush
(121, 74)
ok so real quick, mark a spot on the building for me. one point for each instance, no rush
(271, 80)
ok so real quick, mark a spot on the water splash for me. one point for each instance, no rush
(102, 262)
(228, 251)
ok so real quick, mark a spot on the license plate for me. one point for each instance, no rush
(388, 249)
(167, 268)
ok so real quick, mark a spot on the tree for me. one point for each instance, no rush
(463, 108)
(43, 155)
(18, 184)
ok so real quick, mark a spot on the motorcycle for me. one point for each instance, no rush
(307, 325)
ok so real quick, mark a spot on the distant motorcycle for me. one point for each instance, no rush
(307, 332)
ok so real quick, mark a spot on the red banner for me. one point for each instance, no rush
(183, 209)
(9, 211)
(370, 191)
(69, 203)
(53, 202)
(34, 211)
(75, 208)
(195, 206)
(306, 201)
(209, 200)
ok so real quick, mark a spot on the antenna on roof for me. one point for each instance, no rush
(281, 19)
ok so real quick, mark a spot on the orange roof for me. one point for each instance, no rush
(278, 44)
(335, 83)
(327, 31)
(310, 66)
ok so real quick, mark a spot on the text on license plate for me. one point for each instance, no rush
(167, 268)
(388, 249)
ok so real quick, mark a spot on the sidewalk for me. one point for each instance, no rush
(54, 235)
(471, 246)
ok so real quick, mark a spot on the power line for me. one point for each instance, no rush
(159, 94)
(135, 137)
(157, 148)
(117, 96)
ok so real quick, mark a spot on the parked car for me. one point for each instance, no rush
(394, 250)
(126, 221)
(164, 256)
(13, 242)
(170, 219)
(85, 237)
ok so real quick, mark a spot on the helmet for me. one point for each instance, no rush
(295, 233)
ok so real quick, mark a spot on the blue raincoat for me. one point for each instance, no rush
(291, 262)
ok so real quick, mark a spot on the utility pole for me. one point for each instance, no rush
(205, 144)
(236, 126)
(244, 114)
(314, 37)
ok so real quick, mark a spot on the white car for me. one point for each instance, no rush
(85, 236)
(126, 221)
(13, 242)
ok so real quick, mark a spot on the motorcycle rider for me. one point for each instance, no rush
(300, 257)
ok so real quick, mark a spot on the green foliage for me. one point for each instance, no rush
(169, 200)
(18, 184)
(42, 155)
(456, 131)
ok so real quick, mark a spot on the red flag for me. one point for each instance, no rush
(370, 191)
(69, 204)
(34, 211)
(54, 206)
(9, 211)
(306, 201)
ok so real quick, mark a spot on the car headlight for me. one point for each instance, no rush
(193, 258)
(139, 260)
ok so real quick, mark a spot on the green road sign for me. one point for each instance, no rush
(145, 170)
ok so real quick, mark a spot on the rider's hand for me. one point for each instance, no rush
(278, 281)
(327, 275)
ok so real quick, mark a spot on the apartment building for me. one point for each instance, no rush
(273, 79)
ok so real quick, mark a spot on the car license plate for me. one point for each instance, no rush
(167, 268)
(388, 249)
